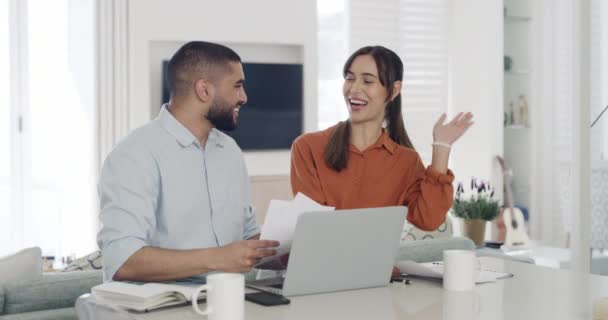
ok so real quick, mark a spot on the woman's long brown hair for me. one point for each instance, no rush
(390, 69)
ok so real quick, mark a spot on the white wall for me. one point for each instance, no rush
(476, 85)
(161, 23)
(476, 65)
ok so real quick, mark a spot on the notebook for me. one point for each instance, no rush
(434, 270)
(143, 296)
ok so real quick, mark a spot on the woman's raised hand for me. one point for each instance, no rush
(450, 132)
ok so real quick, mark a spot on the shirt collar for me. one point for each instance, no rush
(175, 128)
(387, 142)
(182, 134)
(215, 138)
(384, 141)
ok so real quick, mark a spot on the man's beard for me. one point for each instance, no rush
(221, 115)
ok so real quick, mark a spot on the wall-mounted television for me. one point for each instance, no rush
(273, 115)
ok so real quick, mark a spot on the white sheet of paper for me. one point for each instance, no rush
(418, 269)
(435, 270)
(305, 204)
(279, 223)
(281, 219)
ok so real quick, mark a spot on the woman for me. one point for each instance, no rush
(360, 163)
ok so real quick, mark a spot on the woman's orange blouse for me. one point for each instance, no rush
(384, 174)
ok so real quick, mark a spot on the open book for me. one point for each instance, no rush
(143, 296)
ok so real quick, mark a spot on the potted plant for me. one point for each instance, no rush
(475, 209)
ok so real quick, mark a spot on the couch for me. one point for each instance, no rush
(51, 296)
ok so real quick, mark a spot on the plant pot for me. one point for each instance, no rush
(475, 229)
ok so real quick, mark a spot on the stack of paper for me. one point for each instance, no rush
(435, 270)
(281, 219)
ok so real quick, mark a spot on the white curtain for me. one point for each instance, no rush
(554, 165)
(112, 73)
(52, 128)
(560, 165)
(599, 133)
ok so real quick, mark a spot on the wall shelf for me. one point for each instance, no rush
(518, 44)
(510, 18)
(517, 127)
(522, 72)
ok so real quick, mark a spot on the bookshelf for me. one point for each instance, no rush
(518, 94)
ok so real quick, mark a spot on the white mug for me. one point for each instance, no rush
(459, 270)
(225, 297)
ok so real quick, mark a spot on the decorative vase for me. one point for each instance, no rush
(475, 229)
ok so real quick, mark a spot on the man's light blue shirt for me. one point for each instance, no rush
(159, 188)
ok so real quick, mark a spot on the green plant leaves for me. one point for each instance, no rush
(478, 207)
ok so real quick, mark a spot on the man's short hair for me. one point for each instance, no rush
(197, 59)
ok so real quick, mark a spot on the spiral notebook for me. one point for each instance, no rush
(434, 270)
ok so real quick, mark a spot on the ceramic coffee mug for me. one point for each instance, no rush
(460, 270)
(225, 297)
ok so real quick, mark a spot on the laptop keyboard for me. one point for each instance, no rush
(268, 282)
(274, 285)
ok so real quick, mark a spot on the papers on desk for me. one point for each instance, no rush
(281, 219)
(434, 270)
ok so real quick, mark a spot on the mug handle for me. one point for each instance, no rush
(195, 294)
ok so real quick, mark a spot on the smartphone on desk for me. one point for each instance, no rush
(266, 298)
(493, 244)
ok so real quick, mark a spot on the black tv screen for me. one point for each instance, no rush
(272, 117)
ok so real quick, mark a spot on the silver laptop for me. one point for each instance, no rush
(340, 250)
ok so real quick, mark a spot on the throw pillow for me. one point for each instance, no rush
(410, 232)
(23, 265)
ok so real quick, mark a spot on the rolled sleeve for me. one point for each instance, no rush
(428, 196)
(440, 178)
(116, 253)
(128, 191)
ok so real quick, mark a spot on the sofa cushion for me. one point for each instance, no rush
(1, 300)
(411, 233)
(23, 265)
(51, 291)
(55, 314)
(432, 249)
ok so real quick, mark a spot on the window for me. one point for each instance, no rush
(414, 29)
(599, 78)
(417, 30)
(5, 131)
(333, 52)
(49, 121)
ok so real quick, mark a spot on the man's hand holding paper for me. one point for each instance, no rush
(280, 224)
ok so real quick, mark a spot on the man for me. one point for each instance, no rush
(174, 194)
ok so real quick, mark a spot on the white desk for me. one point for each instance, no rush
(534, 293)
